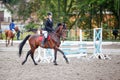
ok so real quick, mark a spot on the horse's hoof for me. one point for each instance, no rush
(67, 62)
(39, 60)
(55, 64)
(22, 63)
(36, 64)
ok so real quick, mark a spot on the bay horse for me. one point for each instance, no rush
(53, 42)
(10, 36)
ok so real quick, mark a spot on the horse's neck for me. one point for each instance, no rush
(55, 37)
(17, 29)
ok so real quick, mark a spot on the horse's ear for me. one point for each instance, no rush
(59, 24)
(64, 26)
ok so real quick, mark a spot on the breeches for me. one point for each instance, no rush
(45, 33)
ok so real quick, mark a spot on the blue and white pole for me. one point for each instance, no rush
(98, 45)
(97, 40)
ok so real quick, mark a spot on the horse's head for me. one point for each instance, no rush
(16, 28)
(61, 30)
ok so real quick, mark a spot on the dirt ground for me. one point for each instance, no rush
(77, 69)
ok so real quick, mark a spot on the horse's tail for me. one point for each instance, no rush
(22, 44)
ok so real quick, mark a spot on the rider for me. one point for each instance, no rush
(12, 26)
(48, 27)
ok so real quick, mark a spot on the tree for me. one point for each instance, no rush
(83, 13)
(11, 4)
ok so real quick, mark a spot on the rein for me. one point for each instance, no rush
(58, 34)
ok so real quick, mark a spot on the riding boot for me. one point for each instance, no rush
(43, 41)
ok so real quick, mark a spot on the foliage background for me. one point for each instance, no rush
(85, 14)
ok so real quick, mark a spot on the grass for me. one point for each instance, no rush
(22, 35)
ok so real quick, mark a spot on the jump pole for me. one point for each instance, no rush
(44, 55)
(97, 40)
(76, 51)
(98, 45)
(80, 36)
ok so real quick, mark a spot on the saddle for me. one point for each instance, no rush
(50, 36)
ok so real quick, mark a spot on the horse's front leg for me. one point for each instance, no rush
(37, 59)
(55, 57)
(63, 55)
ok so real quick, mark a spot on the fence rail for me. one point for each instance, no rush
(87, 35)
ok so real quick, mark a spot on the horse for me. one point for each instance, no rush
(53, 42)
(10, 36)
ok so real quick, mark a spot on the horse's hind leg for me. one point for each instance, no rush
(28, 53)
(12, 42)
(32, 56)
(6, 42)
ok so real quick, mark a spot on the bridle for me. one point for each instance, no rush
(61, 32)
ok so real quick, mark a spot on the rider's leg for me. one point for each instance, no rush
(43, 41)
(44, 38)
(13, 31)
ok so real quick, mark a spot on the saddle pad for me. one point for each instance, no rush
(41, 38)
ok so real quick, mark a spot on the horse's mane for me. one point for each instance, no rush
(57, 27)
